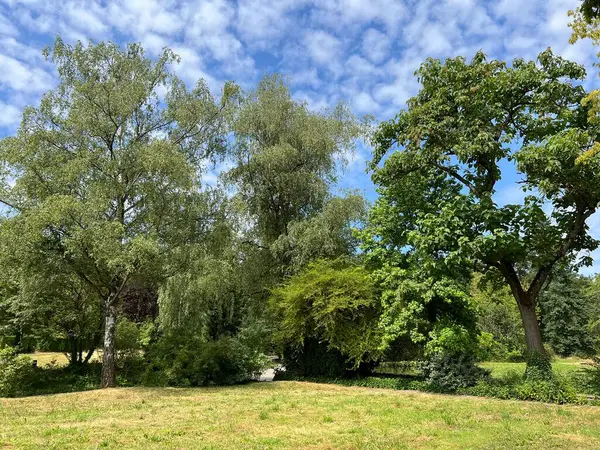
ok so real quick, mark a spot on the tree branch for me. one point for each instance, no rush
(460, 178)
(544, 272)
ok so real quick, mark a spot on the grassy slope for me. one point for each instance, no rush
(290, 415)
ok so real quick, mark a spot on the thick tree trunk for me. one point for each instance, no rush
(538, 364)
(533, 334)
(109, 372)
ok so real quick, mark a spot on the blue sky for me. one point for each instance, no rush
(362, 51)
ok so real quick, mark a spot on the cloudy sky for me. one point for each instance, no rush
(362, 51)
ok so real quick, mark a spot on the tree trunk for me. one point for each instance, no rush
(73, 343)
(533, 334)
(538, 364)
(109, 373)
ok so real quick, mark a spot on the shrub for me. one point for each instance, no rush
(515, 356)
(539, 365)
(592, 376)
(16, 373)
(181, 361)
(328, 317)
(449, 372)
(549, 391)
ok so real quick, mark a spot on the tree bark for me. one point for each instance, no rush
(73, 343)
(109, 372)
(536, 358)
(531, 326)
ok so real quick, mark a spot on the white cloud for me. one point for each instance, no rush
(323, 48)
(375, 45)
(18, 76)
(6, 27)
(10, 115)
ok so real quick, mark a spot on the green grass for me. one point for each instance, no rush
(290, 415)
(560, 366)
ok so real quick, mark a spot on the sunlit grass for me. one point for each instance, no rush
(60, 359)
(560, 366)
(290, 415)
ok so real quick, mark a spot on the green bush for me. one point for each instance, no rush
(548, 391)
(449, 372)
(188, 361)
(515, 356)
(592, 376)
(327, 317)
(16, 373)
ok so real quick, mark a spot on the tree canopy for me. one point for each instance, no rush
(444, 156)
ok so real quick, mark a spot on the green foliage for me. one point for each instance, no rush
(16, 373)
(498, 316)
(189, 361)
(434, 312)
(565, 313)
(333, 303)
(513, 387)
(286, 155)
(557, 390)
(131, 335)
(539, 365)
(442, 158)
(328, 234)
(592, 375)
(451, 372)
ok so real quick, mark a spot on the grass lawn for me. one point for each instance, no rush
(290, 415)
(46, 358)
(560, 366)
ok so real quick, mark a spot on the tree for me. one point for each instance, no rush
(105, 171)
(327, 316)
(286, 156)
(468, 123)
(565, 314)
(280, 217)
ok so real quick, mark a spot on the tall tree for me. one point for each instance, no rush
(105, 171)
(286, 156)
(566, 314)
(470, 121)
(281, 216)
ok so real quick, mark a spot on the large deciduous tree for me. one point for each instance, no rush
(103, 175)
(442, 159)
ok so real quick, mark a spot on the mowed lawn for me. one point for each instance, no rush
(60, 359)
(290, 415)
(560, 366)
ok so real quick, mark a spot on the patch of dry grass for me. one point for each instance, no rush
(290, 415)
(60, 359)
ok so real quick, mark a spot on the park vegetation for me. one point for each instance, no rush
(116, 246)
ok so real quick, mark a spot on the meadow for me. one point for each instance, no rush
(290, 415)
